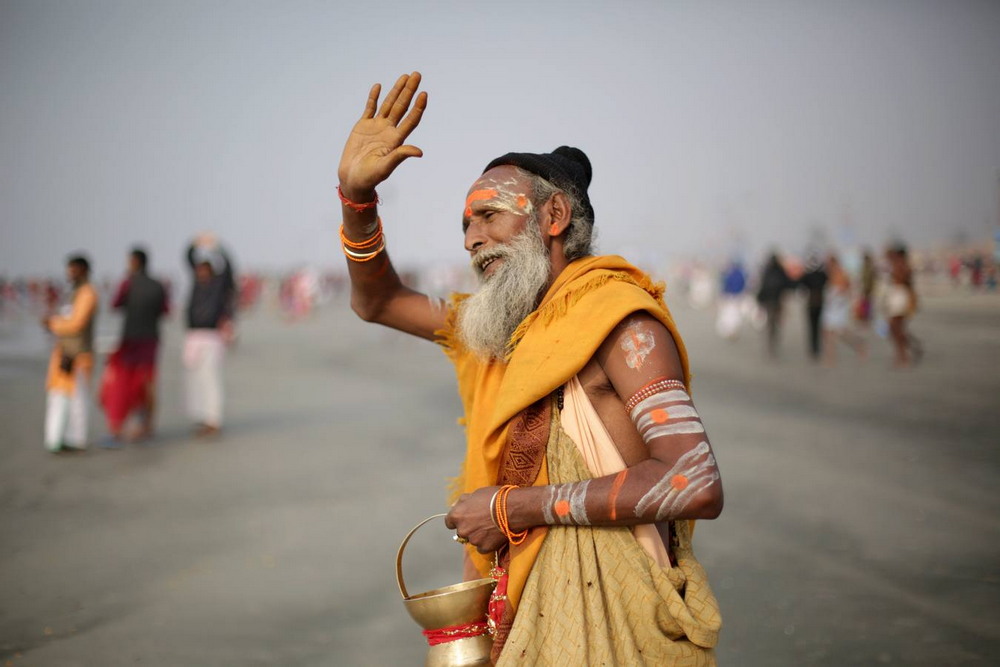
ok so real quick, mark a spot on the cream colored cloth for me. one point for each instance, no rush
(594, 597)
(584, 427)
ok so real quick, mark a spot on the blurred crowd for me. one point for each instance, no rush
(849, 299)
(845, 295)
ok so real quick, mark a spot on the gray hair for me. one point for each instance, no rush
(580, 234)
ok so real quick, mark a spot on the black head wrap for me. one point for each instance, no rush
(565, 167)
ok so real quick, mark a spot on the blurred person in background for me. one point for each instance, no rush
(71, 363)
(868, 277)
(129, 382)
(813, 280)
(729, 319)
(900, 304)
(210, 329)
(585, 456)
(774, 282)
(836, 317)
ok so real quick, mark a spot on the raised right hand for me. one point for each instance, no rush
(375, 147)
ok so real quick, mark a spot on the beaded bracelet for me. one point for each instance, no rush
(653, 387)
(501, 519)
(354, 206)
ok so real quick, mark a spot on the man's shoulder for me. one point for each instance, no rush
(87, 291)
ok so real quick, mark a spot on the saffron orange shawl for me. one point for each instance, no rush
(585, 302)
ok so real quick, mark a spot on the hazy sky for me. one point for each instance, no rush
(710, 125)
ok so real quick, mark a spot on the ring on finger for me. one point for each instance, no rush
(459, 539)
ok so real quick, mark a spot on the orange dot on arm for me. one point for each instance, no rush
(561, 507)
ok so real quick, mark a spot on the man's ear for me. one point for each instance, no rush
(560, 214)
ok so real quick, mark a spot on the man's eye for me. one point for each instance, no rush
(488, 214)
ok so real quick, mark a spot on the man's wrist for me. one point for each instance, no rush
(518, 509)
(357, 195)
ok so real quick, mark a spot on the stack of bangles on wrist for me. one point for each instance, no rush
(363, 251)
(498, 512)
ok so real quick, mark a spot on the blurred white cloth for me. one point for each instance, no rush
(66, 415)
(730, 316)
(204, 353)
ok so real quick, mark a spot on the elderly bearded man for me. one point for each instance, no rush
(586, 460)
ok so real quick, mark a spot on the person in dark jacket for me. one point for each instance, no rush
(814, 282)
(774, 282)
(129, 382)
(210, 326)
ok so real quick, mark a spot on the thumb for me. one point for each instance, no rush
(397, 156)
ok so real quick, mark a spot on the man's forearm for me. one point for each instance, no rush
(647, 492)
(373, 282)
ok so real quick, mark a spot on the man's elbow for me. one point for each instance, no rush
(708, 504)
(367, 310)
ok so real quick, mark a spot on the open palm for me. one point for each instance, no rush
(375, 147)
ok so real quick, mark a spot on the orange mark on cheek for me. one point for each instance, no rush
(659, 416)
(679, 482)
(562, 508)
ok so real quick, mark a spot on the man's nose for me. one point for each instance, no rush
(474, 238)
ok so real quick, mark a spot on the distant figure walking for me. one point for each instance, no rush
(774, 281)
(730, 315)
(900, 304)
(836, 316)
(210, 327)
(814, 281)
(863, 309)
(129, 382)
(71, 363)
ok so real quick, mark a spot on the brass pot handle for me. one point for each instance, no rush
(399, 554)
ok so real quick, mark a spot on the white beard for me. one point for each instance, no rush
(487, 319)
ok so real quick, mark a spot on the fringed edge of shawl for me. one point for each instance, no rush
(447, 336)
(559, 306)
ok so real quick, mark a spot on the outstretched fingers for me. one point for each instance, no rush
(402, 102)
(372, 102)
(393, 95)
(413, 118)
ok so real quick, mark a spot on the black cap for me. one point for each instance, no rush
(565, 167)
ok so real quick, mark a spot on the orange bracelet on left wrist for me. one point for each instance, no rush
(501, 519)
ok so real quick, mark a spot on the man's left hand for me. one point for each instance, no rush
(470, 518)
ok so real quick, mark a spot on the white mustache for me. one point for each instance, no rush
(480, 259)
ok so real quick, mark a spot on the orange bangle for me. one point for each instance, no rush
(363, 257)
(501, 519)
(370, 242)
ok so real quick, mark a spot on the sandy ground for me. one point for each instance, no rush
(862, 520)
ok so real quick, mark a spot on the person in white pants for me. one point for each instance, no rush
(71, 363)
(209, 320)
(204, 353)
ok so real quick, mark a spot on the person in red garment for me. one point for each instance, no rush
(129, 382)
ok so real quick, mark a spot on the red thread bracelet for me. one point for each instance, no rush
(354, 206)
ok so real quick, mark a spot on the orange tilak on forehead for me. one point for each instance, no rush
(478, 195)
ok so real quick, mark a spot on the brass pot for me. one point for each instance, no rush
(458, 604)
